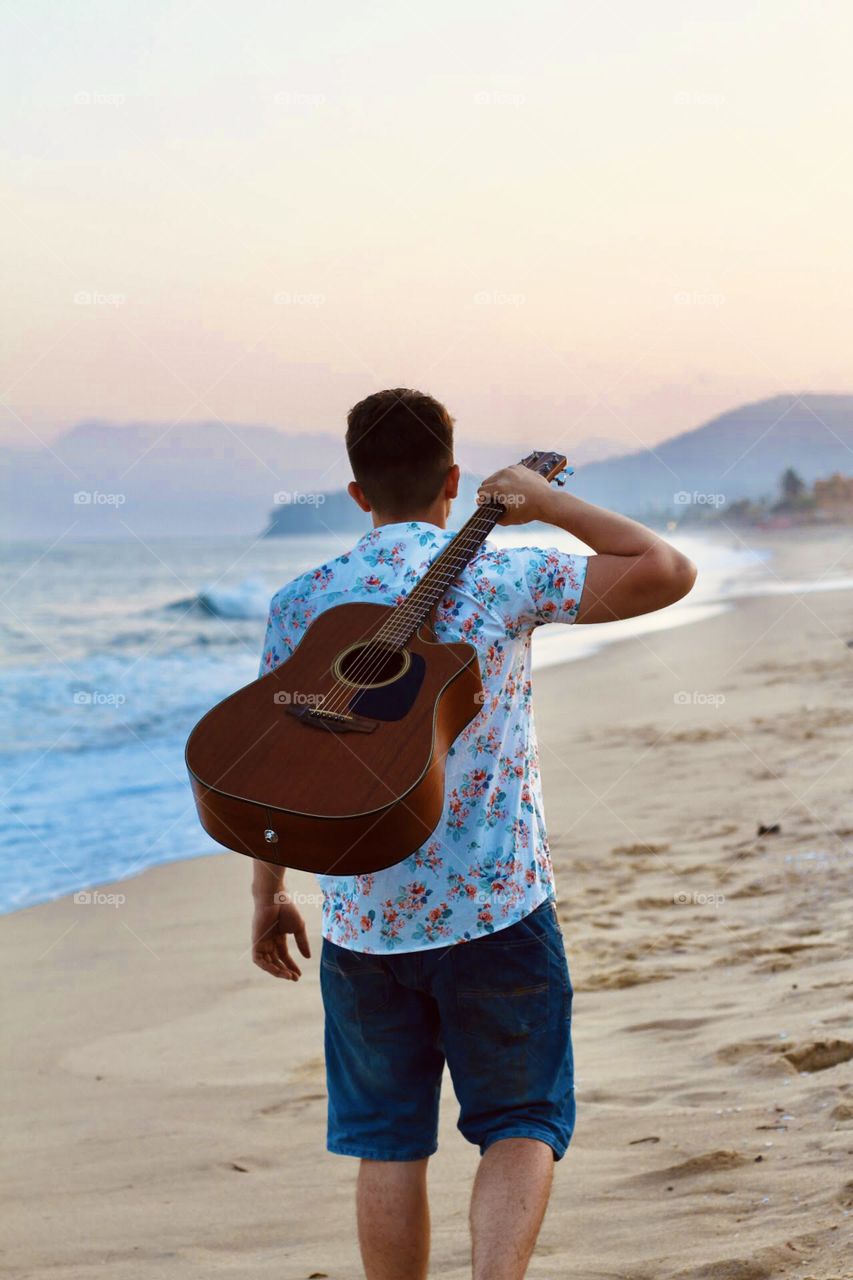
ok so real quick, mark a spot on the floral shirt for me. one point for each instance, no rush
(487, 864)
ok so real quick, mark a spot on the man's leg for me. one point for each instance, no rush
(393, 1219)
(508, 1204)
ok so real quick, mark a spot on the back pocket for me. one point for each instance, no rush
(502, 994)
(354, 985)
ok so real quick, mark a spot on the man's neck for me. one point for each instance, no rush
(436, 514)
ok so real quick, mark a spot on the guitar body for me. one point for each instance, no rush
(334, 762)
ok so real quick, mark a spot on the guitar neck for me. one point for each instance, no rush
(447, 566)
(444, 571)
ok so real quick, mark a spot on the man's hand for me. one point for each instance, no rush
(523, 494)
(272, 922)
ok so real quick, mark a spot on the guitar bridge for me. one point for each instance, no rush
(333, 721)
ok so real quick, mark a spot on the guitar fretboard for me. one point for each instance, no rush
(443, 571)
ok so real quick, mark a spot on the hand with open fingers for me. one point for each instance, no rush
(522, 493)
(272, 923)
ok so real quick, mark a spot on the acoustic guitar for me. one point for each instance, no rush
(334, 762)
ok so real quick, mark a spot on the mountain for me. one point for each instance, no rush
(740, 454)
(337, 512)
(209, 477)
(191, 478)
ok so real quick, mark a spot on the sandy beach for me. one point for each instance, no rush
(166, 1099)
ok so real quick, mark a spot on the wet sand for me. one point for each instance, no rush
(166, 1099)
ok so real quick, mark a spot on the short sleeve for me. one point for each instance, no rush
(277, 645)
(544, 585)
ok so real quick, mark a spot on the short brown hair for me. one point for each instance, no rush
(400, 447)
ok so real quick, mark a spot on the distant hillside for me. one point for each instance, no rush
(208, 477)
(336, 511)
(740, 454)
(193, 478)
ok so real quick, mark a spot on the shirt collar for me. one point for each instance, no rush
(396, 531)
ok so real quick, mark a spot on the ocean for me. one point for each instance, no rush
(111, 651)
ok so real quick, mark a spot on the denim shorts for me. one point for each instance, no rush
(497, 1010)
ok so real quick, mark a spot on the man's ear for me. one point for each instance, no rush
(451, 484)
(356, 492)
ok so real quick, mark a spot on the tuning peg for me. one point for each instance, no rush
(563, 476)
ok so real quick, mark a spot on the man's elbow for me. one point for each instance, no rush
(674, 574)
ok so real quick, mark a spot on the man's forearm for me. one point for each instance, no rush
(267, 880)
(605, 531)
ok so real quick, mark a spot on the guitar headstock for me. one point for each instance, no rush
(549, 465)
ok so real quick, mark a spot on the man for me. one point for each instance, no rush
(455, 954)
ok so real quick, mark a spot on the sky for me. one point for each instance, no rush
(621, 218)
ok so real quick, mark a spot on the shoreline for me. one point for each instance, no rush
(556, 647)
(178, 1093)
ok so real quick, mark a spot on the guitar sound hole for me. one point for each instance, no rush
(366, 666)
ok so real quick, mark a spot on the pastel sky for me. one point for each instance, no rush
(618, 217)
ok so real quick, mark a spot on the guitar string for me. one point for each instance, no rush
(397, 629)
(399, 626)
(404, 619)
(472, 534)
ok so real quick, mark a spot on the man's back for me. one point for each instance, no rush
(402, 999)
(487, 864)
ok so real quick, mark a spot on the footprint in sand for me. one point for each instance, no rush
(640, 850)
(759, 1054)
(819, 1055)
(695, 1166)
(670, 1024)
(625, 976)
(728, 1269)
(311, 1069)
(845, 1196)
(813, 1055)
(754, 889)
(290, 1104)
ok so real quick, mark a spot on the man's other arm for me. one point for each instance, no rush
(275, 916)
(633, 571)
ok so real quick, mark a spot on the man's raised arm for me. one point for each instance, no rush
(634, 571)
